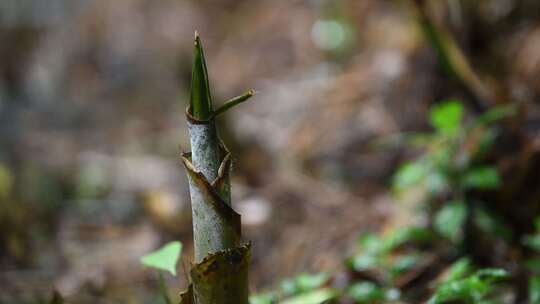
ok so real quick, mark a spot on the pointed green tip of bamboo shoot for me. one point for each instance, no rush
(200, 102)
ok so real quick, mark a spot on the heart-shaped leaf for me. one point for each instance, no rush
(164, 258)
(446, 117)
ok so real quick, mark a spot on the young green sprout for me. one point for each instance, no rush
(200, 102)
(164, 259)
(220, 272)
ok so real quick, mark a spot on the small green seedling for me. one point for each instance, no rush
(164, 259)
(451, 165)
(380, 254)
(369, 292)
(303, 289)
(464, 286)
(533, 241)
(533, 264)
(450, 151)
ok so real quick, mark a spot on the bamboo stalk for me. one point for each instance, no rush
(220, 274)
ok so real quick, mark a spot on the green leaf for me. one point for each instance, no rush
(364, 261)
(471, 289)
(492, 224)
(537, 224)
(417, 234)
(307, 281)
(317, 296)
(496, 113)
(404, 235)
(492, 274)
(459, 269)
(409, 174)
(482, 178)
(288, 286)
(437, 182)
(449, 220)
(397, 237)
(533, 265)
(486, 141)
(332, 35)
(467, 291)
(370, 243)
(303, 282)
(200, 98)
(374, 250)
(164, 258)
(404, 263)
(366, 292)
(533, 241)
(264, 298)
(534, 290)
(446, 117)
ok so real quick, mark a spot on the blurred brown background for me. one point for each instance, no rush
(92, 99)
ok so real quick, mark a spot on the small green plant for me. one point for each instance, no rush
(533, 263)
(164, 259)
(385, 266)
(302, 289)
(369, 292)
(384, 259)
(533, 241)
(378, 254)
(465, 286)
(451, 165)
(451, 152)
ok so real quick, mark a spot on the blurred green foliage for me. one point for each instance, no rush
(461, 284)
(451, 163)
(302, 289)
(450, 219)
(446, 117)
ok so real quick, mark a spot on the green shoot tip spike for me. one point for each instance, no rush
(200, 98)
